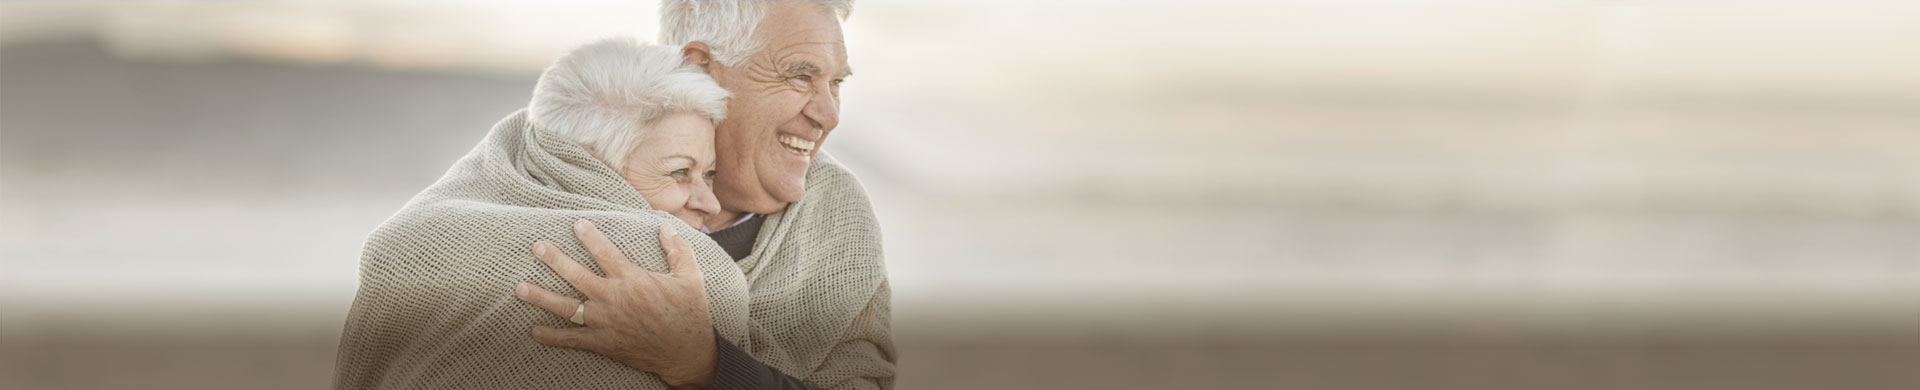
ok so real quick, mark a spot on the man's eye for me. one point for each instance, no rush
(837, 82)
(804, 77)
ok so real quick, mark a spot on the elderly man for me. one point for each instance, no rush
(783, 62)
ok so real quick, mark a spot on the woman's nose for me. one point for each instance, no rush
(703, 201)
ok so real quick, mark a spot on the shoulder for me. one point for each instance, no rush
(835, 209)
(831, 184)
(834, 201)
(430, 225)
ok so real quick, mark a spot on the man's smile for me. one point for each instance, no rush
(797, 145)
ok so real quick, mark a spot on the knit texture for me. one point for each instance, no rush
(436, 310)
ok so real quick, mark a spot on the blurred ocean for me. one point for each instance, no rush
(1445, 195)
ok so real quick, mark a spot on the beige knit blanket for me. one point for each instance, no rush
(436, 310)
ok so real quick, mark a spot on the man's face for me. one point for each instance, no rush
(786, 99)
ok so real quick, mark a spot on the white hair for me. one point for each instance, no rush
(601, 95)
(726, 26)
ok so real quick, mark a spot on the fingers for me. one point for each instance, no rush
(573, 272)
(680, 261)
(576, 338)
(559, 305)
(602, 250)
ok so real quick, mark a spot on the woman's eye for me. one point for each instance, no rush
(709, 175)
(680, 173)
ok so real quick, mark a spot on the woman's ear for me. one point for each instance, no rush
(698, 54)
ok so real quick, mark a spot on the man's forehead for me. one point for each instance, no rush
(799, 22)
(801, 32)
(808, 36)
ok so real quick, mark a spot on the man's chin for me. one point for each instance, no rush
(788, 190)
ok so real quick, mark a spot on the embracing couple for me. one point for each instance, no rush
(659, 216)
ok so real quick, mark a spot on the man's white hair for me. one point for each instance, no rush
(601, 95)
(727, 26)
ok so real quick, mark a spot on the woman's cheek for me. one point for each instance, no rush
(678, 196)
(663, 200)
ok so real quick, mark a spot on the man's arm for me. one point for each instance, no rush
(646, 327)
(864, 358)
(654, 322)
(737, 370)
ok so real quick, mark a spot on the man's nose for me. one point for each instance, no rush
(824, 109)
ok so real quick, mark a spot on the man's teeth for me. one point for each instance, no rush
(795, 143)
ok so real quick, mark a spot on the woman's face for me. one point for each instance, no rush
(672, 167)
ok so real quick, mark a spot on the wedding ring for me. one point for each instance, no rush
(579, 314)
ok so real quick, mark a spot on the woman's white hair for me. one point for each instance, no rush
(601, 95)
(726, 26)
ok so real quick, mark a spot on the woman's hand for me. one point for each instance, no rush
(649, 321)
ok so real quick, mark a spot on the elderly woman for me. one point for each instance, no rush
(644, 113)
(618, 139)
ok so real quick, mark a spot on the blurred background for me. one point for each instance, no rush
(1075, 194)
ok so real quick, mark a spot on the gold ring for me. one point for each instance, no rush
(579, 314)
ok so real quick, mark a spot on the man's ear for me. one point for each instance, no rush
(698, 54)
